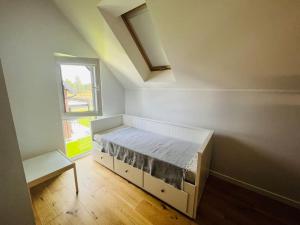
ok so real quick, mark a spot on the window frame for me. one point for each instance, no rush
(96, 86)
(138, 42)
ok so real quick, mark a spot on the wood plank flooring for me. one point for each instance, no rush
(107, 199)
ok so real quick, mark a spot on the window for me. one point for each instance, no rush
(141, 28)
(77, 135)
(80, 102)
(80, 86)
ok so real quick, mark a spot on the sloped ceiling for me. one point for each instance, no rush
(210, 44)
(86, 17)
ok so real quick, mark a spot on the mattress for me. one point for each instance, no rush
(166, 158)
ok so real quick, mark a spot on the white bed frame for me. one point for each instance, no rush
(185, 200)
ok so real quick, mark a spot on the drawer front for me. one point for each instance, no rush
(104, 159)
(130, 173)
(171, 195)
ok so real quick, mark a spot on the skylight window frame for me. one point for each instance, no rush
(138, 42)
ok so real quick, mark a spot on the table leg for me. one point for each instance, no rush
(75, 177)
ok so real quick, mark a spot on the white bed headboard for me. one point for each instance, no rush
(106, 123)
(192, 134)
(187, 133)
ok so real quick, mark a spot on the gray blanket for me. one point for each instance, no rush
(163, 157)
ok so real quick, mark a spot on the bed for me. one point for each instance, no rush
(170, 161)
(166, 158)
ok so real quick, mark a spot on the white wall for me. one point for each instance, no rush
(113, 93)
(15, 204)
(257, 137)
(31, 32)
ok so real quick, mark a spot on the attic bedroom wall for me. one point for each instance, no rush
(13, 190)
(31, 31)
(237, 70)
(256, 132)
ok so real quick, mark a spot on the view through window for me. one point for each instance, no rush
(79, 94)
(77, 83)
(77, 134)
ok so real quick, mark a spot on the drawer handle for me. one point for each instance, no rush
(162, 190)
(101, 157)
(126, 171)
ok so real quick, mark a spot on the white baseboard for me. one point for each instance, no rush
(256, 189)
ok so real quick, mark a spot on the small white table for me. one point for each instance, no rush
(46, 166)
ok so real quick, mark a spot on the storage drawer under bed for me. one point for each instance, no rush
(171, 195)
(130, 173)
(104, 159)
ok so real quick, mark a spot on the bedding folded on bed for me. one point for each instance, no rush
(163, 157)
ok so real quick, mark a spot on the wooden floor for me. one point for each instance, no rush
(107, 199)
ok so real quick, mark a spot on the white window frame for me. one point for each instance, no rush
(95, 80)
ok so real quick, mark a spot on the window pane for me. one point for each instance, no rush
(78, 88)
(77, 134)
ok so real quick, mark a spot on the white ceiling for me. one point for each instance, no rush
(210, 44)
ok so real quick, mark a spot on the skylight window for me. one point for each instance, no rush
(141, 28)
